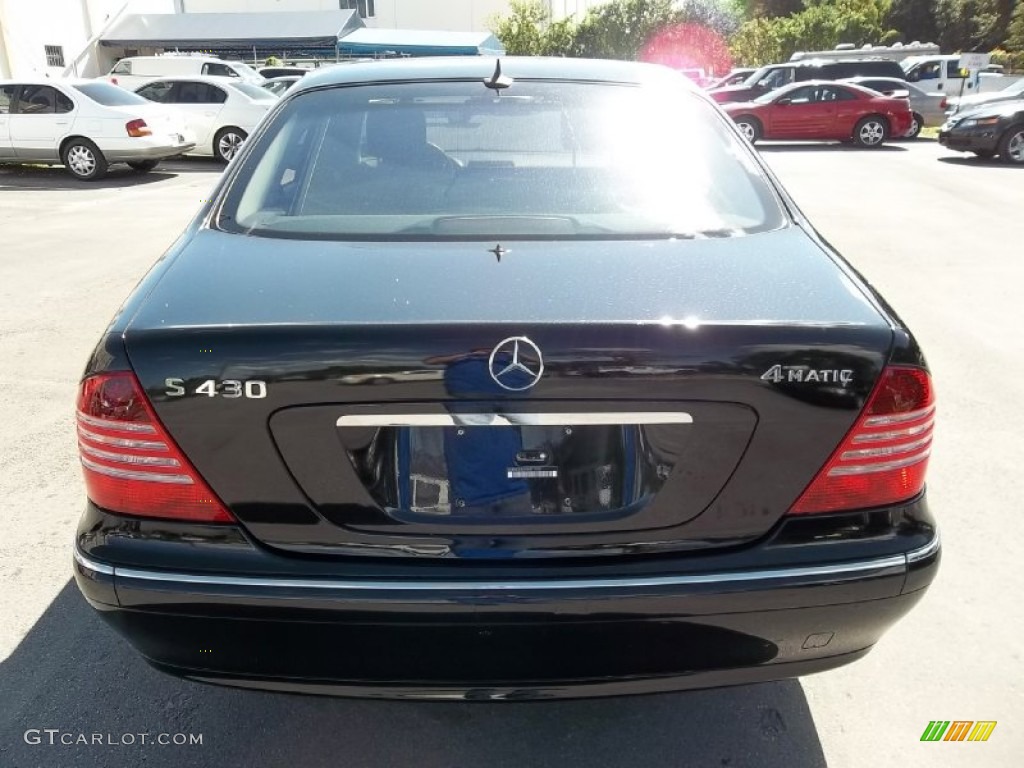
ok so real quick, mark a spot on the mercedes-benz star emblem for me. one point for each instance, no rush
(516, 364)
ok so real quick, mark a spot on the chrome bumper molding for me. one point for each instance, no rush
(923, 553)
(878, 566)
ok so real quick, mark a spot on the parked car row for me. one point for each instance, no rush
(823, 110)
(212, 106)
(988, 130)
(774, 76)
(220, 113)
(869, 101)
(86, 125)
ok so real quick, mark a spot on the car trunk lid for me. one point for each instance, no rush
(348, 397)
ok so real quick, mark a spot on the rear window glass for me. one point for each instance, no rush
(109, 95)
(252, 91)
(461, 161)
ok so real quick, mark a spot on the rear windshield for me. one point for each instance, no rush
(252, 91)
(110, 95)
(457, 160)
(246, 71)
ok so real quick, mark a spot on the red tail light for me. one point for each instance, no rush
(883, 459)
(113, 81)
(137, 128)
(944, 103)
(131, 464)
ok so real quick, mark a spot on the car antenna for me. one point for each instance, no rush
(498, 81)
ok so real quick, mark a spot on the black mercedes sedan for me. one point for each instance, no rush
(987, 131)
(502, 380)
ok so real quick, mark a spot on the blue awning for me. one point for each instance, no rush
(417, 42)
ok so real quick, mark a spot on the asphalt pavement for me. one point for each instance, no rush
(940, 235)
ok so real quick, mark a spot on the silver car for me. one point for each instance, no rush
(929, 109)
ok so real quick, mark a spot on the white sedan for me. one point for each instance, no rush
(86, 125)
(221, 112)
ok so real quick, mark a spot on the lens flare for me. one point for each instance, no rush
(697, 51)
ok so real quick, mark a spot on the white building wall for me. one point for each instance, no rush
(258, 6)
(449, 15)
(27, 26)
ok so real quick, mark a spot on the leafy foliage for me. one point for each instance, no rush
(760, 41)
(522, 32)
(915, 20)
(1015, 38)
(821, 25)
(620, 29)
(687, 33)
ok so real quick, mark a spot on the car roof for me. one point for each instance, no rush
(473, 67)
(218, 79)
(841, 83)
(820, 81)
(37, 80)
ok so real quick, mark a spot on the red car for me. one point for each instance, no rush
(823, 110)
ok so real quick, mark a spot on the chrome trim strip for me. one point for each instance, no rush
(491, 419)
(926, 551)
(891, 449)
(116, 426)
(895, 434)
(128, 458)
(138, 445)
(91, 565)
(128, 474)
(821, 571)
(899, 418)
(865, 469)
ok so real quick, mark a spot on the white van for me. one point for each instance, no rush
(943, 74)
(132, 72)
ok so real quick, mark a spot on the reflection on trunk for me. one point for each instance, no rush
(523, 471)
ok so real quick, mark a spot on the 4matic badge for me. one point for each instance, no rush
(804, 375)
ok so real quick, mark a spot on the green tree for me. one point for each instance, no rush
(759, 41)
(971, 25)
(1015, 38)
(769, 9)
(522, 31)
(821, 25)
(619, 29)
(824, 24)
(560, 38)
(914, 20)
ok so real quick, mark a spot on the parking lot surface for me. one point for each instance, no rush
(942, 237)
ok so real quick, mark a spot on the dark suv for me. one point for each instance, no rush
(773, 76)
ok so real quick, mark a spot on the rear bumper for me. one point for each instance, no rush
(148, 153)
(508, 639)
(130, 149)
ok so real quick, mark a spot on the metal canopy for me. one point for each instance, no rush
(227, 31)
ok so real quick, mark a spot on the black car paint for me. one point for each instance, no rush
(220, 313)
(518, 642)
(985, 138)
(765, 630)
(812, 70)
